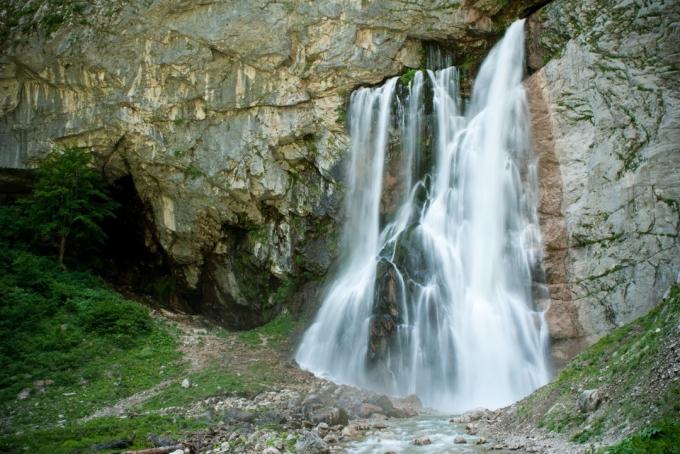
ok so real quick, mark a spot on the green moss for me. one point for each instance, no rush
(311, 144)
(193, 172)
(341, 110)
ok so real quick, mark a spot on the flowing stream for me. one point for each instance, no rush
(436, 291)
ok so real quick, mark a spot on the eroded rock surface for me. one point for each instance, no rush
(606, 122)
(228, 115)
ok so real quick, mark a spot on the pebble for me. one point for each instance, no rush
(186, 383)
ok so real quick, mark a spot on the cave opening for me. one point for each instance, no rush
(131, 258)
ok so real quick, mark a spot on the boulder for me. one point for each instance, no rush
(311, 443)
(422, 441)
(589, 400)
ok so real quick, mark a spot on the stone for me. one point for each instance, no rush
(24, 394)
(366, 410)
(409, 405)
(186, 383)
(471, 429)
(236, 415)
(460, 440)
(322, 429)
(387, 407)
(331, 438)
(350, 431)
(311, 443)
(329, 415)
(271, 450)
(422, 441)
(589, 400)
(480, 441)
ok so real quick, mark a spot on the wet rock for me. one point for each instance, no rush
(589, 400)
(460, 440)
(366, 410)
(311, 443)
(350, 431)
(471, 429)
(422, 441)
(409, 405)
(480, 441)
(387, 407)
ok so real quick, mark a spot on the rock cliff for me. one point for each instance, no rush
(605, 105)
(229, 117)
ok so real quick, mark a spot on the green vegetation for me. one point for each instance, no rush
(68, 346)
(408, 76)
(662, 437)
(69, 199)
(622, 365)
(213, 381)
(341, 110)
(274, 333)
(23, 16)
(84, 437)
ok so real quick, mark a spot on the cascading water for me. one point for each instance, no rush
(439, 301)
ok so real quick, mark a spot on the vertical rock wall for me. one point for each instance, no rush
(606, 120)
(228, 115)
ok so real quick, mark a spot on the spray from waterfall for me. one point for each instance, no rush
(435, 292)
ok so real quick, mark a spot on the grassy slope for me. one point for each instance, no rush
(634, 368)
(98, 348)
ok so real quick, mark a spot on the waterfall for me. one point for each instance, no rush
(434, 294)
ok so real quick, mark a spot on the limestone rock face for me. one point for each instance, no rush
(228, 115)
(606, 123)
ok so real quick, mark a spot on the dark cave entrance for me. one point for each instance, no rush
(131, 257)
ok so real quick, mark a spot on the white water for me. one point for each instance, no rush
(399, 435)
(438, 302)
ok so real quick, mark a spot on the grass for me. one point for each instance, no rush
(93, 346)
(213, 381)
(662, 437)
(82, 438)
(275, 333)
(621, 364)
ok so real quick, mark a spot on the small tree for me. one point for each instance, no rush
(69, 199)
